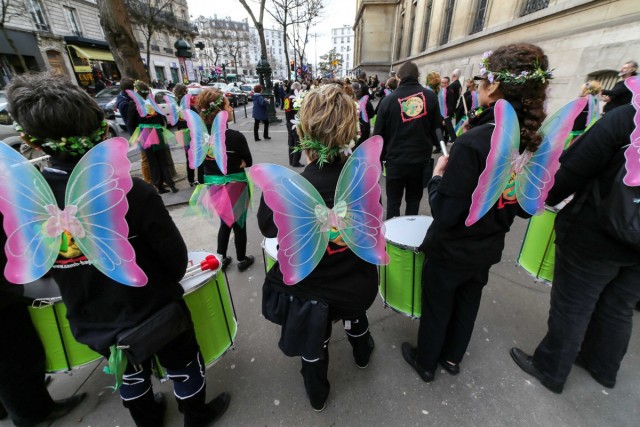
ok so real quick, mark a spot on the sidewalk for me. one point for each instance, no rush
(267, 389)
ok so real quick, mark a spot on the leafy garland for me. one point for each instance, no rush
(72, 145)
(508, 77)
(215, 105)
(325, 154)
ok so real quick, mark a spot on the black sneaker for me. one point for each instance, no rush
(225, 262)
(174, 190)
(163, 190)
(267, 137)
(245, 263)
(362, 354)
(213, 411)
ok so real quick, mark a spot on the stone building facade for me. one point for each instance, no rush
(583, 39)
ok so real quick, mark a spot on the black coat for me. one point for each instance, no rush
(619, 95)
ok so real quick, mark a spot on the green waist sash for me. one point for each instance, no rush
(225, 179)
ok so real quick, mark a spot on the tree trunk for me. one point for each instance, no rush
(118, 32)
(15, 49)
(149, 56)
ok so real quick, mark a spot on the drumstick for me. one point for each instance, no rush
(443, 146)
(209, 263)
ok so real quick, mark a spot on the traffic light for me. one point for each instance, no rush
(200, 45)
(292, 65)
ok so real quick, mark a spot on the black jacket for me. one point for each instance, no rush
(98, 308)
(407, 120)
(453, 93)
(237, 151)
(619, 95)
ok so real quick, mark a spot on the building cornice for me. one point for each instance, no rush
(371, 3)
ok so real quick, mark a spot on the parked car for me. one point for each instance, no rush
(248, 90)
(158, 97)
(235, 96)
(106, 99)
(219, 85)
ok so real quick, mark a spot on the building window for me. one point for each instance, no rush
(427, 24)
(400, 36)
(72, 19)
(38, 15)
(531, 6)
(478, 20)
(448, 19)
(412, 23)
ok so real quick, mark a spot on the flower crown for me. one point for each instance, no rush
(215, 105)
(325, 154)
(138, 89)
(72, 145)
(508, 77)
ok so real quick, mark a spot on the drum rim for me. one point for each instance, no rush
(404, 217)
(207, 275)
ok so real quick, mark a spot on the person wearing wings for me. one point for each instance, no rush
(106, 238)
(328, 222)
(490, 177)
(151, 134)
(366, 113)
(182, 131)
(225, 154)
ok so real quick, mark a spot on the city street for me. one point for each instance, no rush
(267, 389)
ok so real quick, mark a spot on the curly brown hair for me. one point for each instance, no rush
(204, 103)
(527, 97)
(433, 81)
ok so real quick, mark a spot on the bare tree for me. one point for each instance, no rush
(281, 12)
(151, 16)
(234, 39)
(9, 10)
(114, 20)
(259, 24)
(307, 14)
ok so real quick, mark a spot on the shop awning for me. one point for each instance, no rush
(91, 53)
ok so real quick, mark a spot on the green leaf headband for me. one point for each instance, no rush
(72, 145)
(508, 77)
(215, 105)
(325, 154)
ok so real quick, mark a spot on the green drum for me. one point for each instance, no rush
(538, 252)
(49, 316)
(208, 297)
(269, 253)
(401, 279)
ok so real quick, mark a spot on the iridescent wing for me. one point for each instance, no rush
(362, 105)
(294, 202)
(26, 202)
(358, 192)
(505, 143)
(97, 193)
(536, 177)
(145, 107)
(185, 102)
(217, 145)
(593, 112)
(442, 102)
(632, 153)
(199, 138)
(173, 113)
(475, 103)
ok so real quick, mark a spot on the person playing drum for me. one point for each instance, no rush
(67, 124)
(342, 285)
(458, 257)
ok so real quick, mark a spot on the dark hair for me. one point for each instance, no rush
(48, 105)
(528, 97)
(362, 90)
(408, 69)
(257, 88)
(392, 83)
(141, 88)
(180, 90)
(362, 75)
(126, 84)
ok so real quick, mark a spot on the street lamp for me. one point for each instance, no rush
(264, 72)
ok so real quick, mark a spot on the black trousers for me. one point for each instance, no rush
(240, 234)
(592, 302)
(404, 179)
(190, 172)
(158, 166)
(292, 141)
(256, 129)
(450, 303)
(22, 368)
(449, 131)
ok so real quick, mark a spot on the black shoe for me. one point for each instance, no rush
(410, 356)
(47, 380)
(163, 190)
(363, 354)
(212, 413)
(452, 369)
(298, 165)
(267, 137)
(245, 263)
(225, 262)
(257, 139)
(318, 406)
(174, 190)
(603, 382)
(525, 362)
(64, 406)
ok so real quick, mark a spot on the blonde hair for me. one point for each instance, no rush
(592, 87)
(329, 116)
(433, 81)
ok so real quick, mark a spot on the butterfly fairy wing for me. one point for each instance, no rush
(442, 102)
(363, 108)
(358, 190)
(97, 193)
(294, 202)
(505, 142)
(593, 112)
(475, 103)
(199, 144)
(536, 177)
(632, 153)
(141, 103)
(173, 113)
(185, 102)
(25, 202)
(218, 144)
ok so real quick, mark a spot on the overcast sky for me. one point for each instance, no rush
(336, 14)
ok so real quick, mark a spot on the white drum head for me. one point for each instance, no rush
(192, 283)
(407, 231)
(270, 246)
(45, 288)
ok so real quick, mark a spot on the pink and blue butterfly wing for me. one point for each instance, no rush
(218, 140)
(505, 142)
(23, 200)
(173, 113)
(98, 187)
(593, 112)
(363, 108)
(536, 179)
(475, 103)
(293, 201)
(358, 187)
(138, 101)
(632, 153)
(199, 144)
(185, 102)
(442, 102)
(152, 102)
